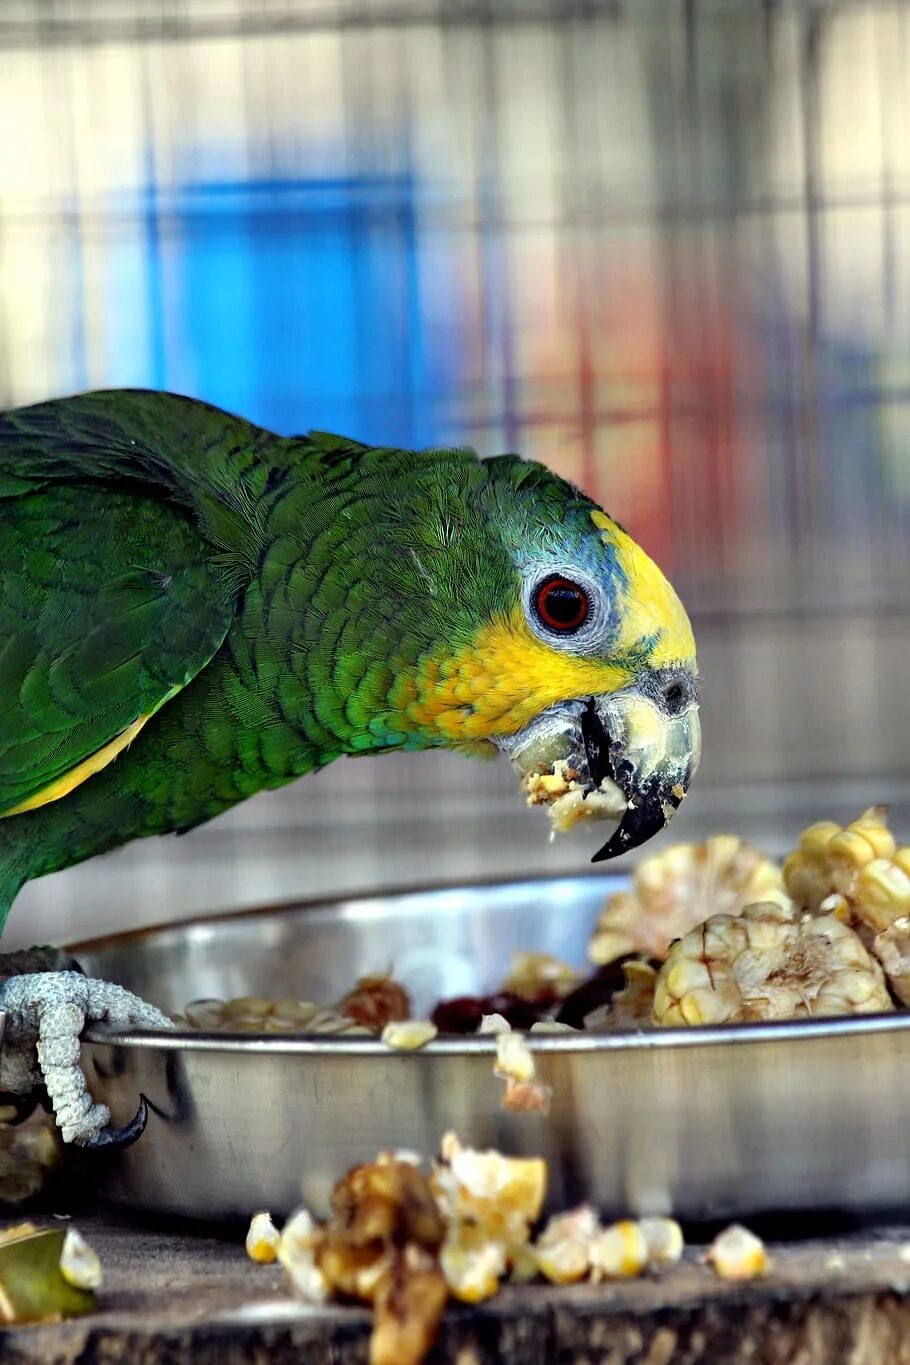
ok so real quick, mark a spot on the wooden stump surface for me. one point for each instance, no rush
(174, 1296)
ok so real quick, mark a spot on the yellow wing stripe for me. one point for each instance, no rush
(87, 768)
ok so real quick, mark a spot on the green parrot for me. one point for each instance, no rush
(193, 609)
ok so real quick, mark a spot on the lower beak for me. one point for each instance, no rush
(651, 751)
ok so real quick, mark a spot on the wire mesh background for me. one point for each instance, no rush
(664, 248)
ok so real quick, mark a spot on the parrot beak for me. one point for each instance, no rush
(647, 739)
(635, 750)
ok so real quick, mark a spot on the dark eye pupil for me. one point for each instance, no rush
(562, 605)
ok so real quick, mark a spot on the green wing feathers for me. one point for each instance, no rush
(108, 604)
(112, 597)
(200, 458)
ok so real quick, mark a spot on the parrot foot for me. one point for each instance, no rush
(46, 1012)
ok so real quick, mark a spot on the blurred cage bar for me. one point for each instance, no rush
(663, 247)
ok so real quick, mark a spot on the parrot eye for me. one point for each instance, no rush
(561, 605)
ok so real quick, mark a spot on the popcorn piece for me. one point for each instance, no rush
(408, 1035)
(680, 888)
(563, 1250)
(494, 1023)
(620, 1251)
(79, 1263)
(737, 1254)
(262, 1239)
(764, 965)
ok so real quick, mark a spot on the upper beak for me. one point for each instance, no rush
(647, 738)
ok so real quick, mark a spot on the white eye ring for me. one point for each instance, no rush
(587, 637)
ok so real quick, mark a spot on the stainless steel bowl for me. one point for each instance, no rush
(701, 1122)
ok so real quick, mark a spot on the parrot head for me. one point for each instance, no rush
(528, 622)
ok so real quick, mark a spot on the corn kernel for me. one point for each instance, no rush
(471, 1263)
(514, 1059)
(407, 1035)
(79, 1263)
(675, 891)
(563, 1249)
(737, 1254)
(620, 1252)
(262, 1239)
(663, 1239)
(815, 839)
(882, 893)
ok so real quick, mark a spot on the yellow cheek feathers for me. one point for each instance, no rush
(651, 607)
(507, 675)
(499, 683)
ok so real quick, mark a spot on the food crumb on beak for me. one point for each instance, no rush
(568, 799)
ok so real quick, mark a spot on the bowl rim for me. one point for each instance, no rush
(843, 1027)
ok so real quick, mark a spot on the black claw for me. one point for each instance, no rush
(115, 1139)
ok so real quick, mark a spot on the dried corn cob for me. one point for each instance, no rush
(765, 965)
(829, 859)
(677, 889)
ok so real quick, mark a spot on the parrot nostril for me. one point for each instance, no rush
(676, 696)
